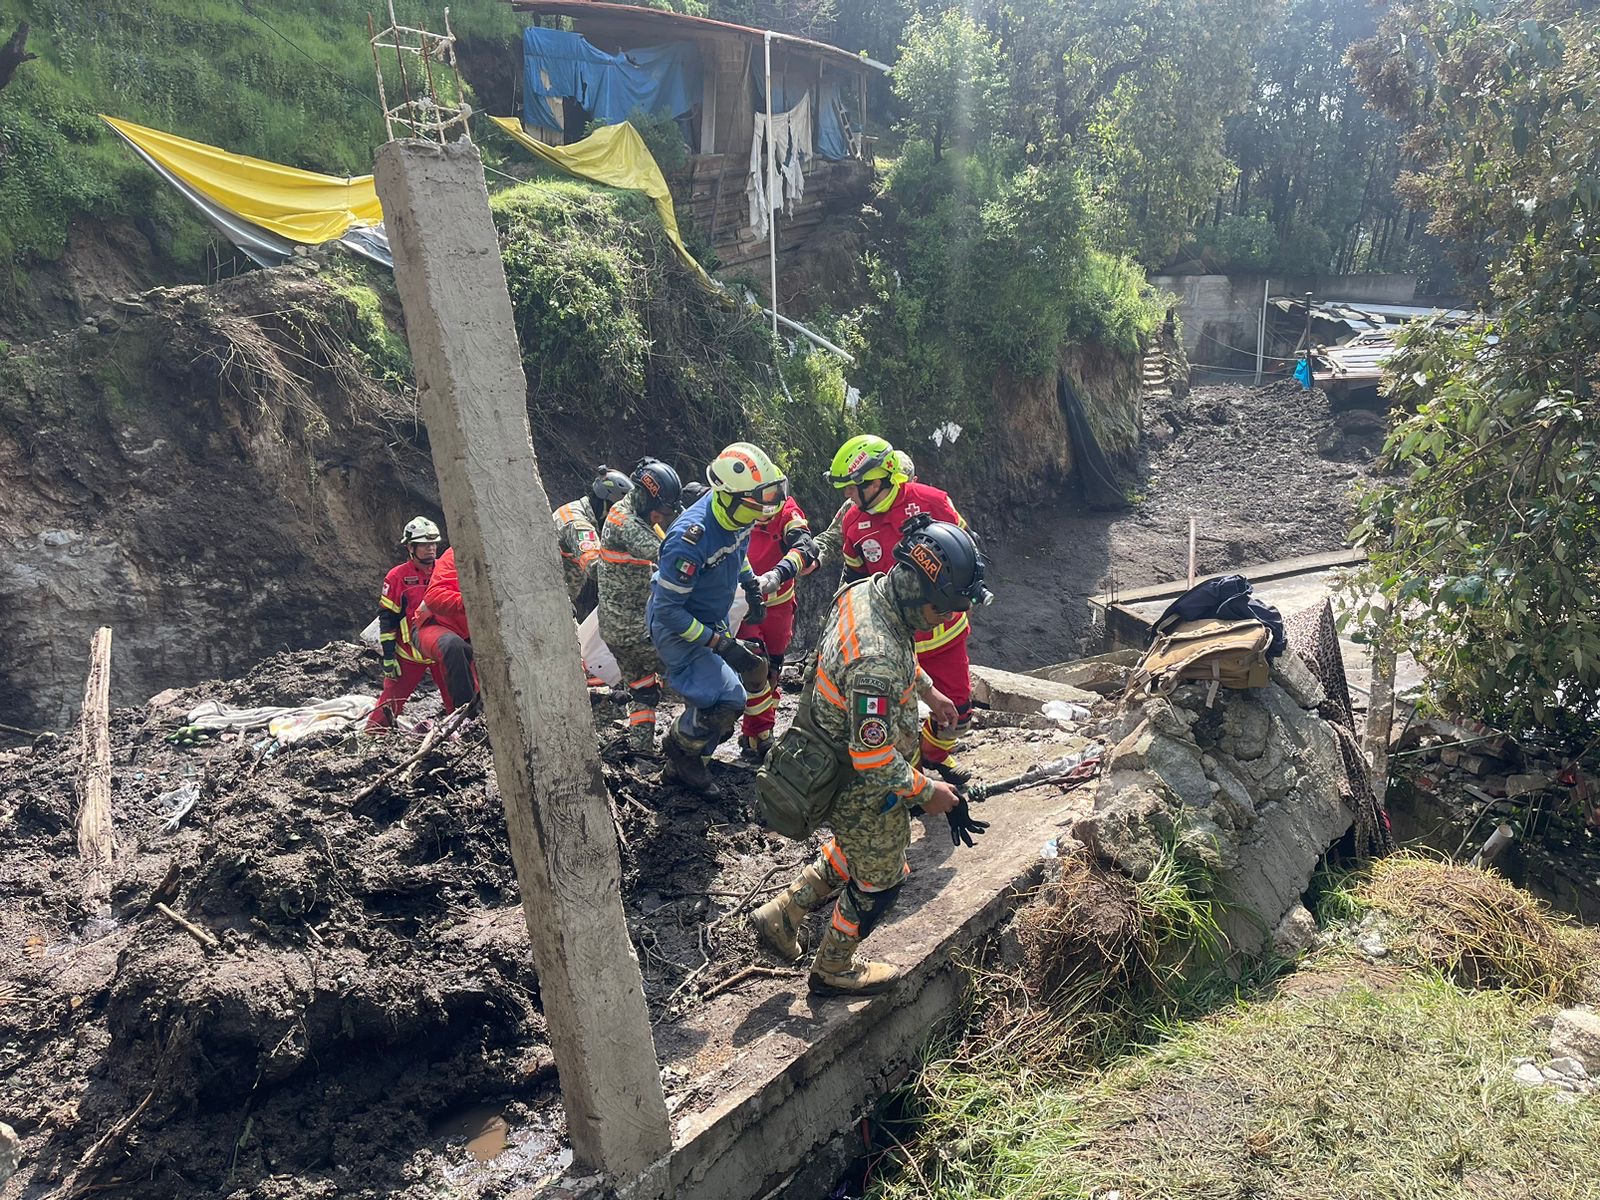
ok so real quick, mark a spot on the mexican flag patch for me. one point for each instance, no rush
(873, 706)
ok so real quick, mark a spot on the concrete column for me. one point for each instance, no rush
(474, 397)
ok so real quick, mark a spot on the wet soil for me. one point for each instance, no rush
(368, 1023)
(372, 988)
(1268, 471)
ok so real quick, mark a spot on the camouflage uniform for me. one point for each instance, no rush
(578, 538)
(864, 700)
(629, 547)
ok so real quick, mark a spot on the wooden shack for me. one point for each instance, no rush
(711, 189)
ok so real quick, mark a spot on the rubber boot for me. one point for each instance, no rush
(684, 764)
(777, 922)
(642, 737)
(836, 971)
(753, 747)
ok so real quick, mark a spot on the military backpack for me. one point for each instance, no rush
(803, 774)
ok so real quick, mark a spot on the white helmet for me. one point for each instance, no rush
(743, 472)
(420, 530)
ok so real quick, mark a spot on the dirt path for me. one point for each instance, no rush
(1267, 470)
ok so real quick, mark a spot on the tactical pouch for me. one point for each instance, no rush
(801, 777)
(1230, 654)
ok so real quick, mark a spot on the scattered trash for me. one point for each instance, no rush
(173, 806)
(1051, 849)
(1064, 713)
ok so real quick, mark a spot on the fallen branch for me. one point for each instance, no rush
(18, 730)
(435, 735)
(96, 843)
(750, 972)
(760, 883)
(202, 936)
(115, 1134)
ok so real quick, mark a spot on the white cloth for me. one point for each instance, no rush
(287, 724)
(602, 664)
(792, 146)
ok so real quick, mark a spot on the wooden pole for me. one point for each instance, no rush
(96, 840)
(772, 183)
(1193, 521)
(474, 398)
(1261, 329)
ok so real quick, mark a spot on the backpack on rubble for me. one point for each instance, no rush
(803, 774)
(1228, 596)
(1215, 650)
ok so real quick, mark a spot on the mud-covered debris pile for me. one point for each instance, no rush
(371, 974)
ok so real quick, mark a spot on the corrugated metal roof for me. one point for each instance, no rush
(667, 23)
(1360, 360)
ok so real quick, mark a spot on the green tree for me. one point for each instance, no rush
(950, 81)
(1485, 545)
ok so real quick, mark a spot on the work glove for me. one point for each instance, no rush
(391, 667)
(739, 656)
(758, 606)
(963, 825)
(775, 578)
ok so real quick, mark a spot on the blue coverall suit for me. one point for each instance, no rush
(702, 562)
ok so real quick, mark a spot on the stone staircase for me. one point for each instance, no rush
(1154, 383)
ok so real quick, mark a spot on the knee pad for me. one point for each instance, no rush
(872, 906)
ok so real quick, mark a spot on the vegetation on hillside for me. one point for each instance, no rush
(1482, 543)
(290, 81)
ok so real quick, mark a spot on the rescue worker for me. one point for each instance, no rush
(702, 561)
(629, 544)
(780, 550)
(403, 588)
(864, 702)
(443, 635)
(880, 496)
(578, 535)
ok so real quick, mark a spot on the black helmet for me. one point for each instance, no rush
(944, 561)
(657, 486)
(692, 491)
(608, 487)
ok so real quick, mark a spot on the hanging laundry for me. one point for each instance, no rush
(793, 146)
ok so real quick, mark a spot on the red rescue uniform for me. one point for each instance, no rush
(403, 589)
(771, 542)
(868, 545)
(445, 637)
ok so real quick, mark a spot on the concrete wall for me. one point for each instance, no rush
(1220, 313)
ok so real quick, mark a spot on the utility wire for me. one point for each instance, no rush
(244, 7)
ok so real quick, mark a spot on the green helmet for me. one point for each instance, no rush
(865, 456)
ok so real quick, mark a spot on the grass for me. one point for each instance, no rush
(1349, 1080)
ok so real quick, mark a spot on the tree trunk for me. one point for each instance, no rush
(14, 53)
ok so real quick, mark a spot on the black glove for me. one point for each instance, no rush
(963, 826)
(391, 667)
(758, 606)
(738, 656)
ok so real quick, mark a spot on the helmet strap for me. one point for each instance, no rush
(884, 500)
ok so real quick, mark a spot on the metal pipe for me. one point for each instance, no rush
(812, 336)
(772, 209)
(1261, 330)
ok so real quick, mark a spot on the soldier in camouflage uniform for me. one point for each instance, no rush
(629, 546)
(578, 536)
(864, 701)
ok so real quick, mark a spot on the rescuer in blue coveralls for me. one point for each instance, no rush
(702, 562)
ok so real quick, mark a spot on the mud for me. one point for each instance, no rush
(1268, 471)
(373, 987)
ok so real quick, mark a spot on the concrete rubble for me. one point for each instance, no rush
(1247, 788)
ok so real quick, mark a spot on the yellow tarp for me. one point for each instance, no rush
(616, 156)
(299, 205)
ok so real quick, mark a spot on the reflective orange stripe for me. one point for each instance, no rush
(835, 857)
(827, 691)
(865, 760)
(942, 635)
(842, 923)
(642, 716)
(618, 558)
(918, 782)
(646, 680)
(587, 557)
(849, 644)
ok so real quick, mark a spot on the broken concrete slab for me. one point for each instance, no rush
(1105, 674)
(781, 1072)
(1010, 692)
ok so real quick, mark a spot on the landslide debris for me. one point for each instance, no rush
(372, 977)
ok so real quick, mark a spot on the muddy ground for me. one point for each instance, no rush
(372, 1005)
(1267, 470)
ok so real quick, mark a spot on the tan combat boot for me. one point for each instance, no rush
(837, 971)
(777, 922)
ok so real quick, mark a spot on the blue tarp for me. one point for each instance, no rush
(832, 142)
(609, 87)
